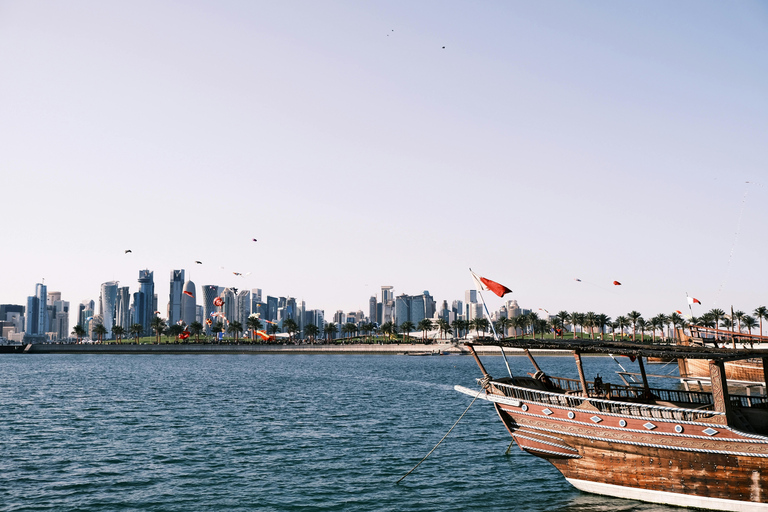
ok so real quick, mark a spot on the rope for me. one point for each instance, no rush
(440, 441)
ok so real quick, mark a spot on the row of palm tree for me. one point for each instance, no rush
(528, 324)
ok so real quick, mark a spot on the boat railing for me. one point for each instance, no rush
(611, 406)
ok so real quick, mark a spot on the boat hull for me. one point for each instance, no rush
(645, 459)
(745, 372)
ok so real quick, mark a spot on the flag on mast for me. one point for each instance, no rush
(486, 284)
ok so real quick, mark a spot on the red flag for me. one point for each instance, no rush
(487, 284)
(691, 300)
(617, 283)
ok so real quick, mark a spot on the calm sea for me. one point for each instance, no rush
(282, 433)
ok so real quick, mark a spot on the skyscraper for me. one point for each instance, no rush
(123, 308)
(210, 292)
(188, 303)
(37, 311)
(243, 306)
(372, 303)
(144, 300)
(175, 296)
(402, 309)
(107, 304)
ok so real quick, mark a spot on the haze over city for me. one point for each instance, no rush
(388, 143)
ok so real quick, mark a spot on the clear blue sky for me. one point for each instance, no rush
(389, 143)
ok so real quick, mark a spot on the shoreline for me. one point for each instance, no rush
(207, 348)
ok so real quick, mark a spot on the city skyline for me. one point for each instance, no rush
(324, 149)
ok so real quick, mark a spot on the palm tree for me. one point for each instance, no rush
(136, 330)
(118, 331)
(78, 331)
(196, 328)
(175, 331)
(577, 319)
(236, 328)
(443, 327)
(634, 316)
(522, 322)
(737, 316)
(425, 326)
(749, 323)
(387, 328)
(564, 317)
(482, 324)
(656, 323)
(590, 322)
(716, 315)
(99, 330)
(158, 325)
(761, 313)
(291, 327)
(253, 324)
(273, 328)
(642, 325)
(622, 322)
(330, 330)
(676, 320)
(501, 325)
(311, 330)
(406, 328)
(533, 319)
(602, 320)
(665, 322)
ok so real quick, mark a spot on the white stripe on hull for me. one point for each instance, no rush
(667, 498)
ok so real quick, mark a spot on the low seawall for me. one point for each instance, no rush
(205, 348)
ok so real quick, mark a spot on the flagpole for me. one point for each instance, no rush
(495, 335)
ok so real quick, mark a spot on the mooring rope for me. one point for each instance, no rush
(441, 440)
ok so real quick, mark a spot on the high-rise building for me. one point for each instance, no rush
(175, 296)
(230, 304)
(272, 305)
(123, 308)
(85, 312)
(418, 309)
(145, 301)
(107, 306)
(210, 292)
(372, 303)
(37, 311)
(387, 294)
(402, 309)
(13, 313)
(243, 306)
(256, 295)
(188, 303)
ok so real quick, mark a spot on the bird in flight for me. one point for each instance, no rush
(199, 262)
(127, 251)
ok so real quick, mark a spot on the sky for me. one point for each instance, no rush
(389, 143)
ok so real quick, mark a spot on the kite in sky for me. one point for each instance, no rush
(237, 273)
(218, 302)
(199, 262)
(692, 300)
(577, 279)
(189, 293)
(255, 240)
(678, 312)
(127, 251)
(617, 283)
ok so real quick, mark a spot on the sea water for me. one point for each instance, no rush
(269, 432)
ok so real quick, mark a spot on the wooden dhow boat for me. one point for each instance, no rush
(687, 448)
(748, 372)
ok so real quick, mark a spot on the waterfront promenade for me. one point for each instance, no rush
(206, 348)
